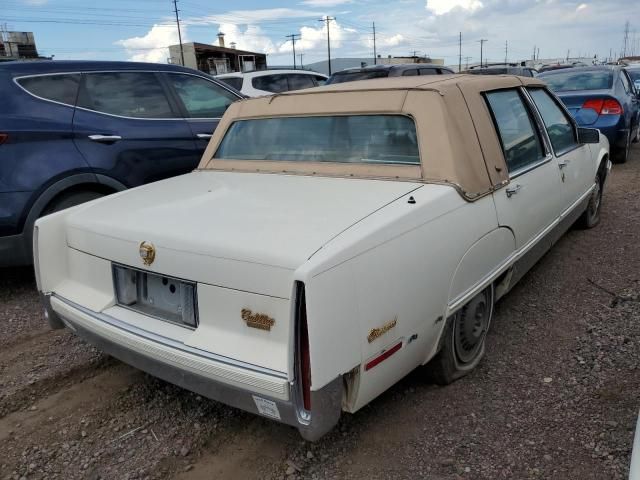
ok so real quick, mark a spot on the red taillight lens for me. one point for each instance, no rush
(603, 106)
(3, 138)
(304, 358)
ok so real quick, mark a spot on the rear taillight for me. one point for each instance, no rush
(303, 357)
(603, 106)
(3, 138)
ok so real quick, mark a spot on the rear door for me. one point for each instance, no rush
(202, 102)
(127, 127)
(531, 203)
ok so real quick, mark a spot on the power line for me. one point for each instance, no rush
(294, 37)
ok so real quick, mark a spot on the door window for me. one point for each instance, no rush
(271, 83)
(320, 80)
(559, 127)
(59, 88)
(298, 81)
(201, 98)
(410, 73)
(127, 94)
(520, 140)
(235, 82)
(428, 71)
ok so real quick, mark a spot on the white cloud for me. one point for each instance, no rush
(582, 6)
(315, 38)
(247, 17)
(153, 46)
(252, 38)
(36, 3)
(325, 3)
(440, 7)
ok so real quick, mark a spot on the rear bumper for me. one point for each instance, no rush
(244, 387)
(616, 134)
(14, 251)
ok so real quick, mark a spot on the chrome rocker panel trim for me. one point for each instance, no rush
(326, 402)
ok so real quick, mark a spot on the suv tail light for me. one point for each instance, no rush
(602, 106)
(303, 359)
(3, 138)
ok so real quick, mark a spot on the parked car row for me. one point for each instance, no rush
(329, 242)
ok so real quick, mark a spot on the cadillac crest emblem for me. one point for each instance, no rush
(147, 253)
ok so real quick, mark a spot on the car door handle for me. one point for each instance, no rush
(562, 164)
(511, 191)
(204, 136)
(105, 138)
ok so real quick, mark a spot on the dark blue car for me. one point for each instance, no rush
(600, 97)
(74, 131)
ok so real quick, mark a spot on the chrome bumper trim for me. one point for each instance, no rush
(160, 360)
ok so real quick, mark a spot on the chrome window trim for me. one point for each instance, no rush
(168, 342)
(532, 166)
(15, 80)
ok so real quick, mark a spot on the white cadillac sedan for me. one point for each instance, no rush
(331, 241)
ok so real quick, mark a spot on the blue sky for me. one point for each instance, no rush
(141, 29)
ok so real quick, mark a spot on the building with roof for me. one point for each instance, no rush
(216, 59)
(18, 46)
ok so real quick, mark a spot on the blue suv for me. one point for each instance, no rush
(72, 131)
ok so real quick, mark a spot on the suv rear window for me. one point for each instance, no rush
(271, 83)
(59, 88)
(389, 139)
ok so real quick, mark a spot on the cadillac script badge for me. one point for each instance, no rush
(147, 253)
(379, 331)
(257, 320)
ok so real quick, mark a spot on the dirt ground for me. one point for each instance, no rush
(556, 396)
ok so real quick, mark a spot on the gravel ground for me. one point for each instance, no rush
(556, 396)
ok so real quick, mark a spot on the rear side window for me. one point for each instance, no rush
(271, 83)
(358, 75)
(559, 127)
(520, 140)
(625, 82)
(410, 73)
(320, 80)
(235, 82)
(299, 81)
(59, 88)
(127, 94)
(201, 98)
(428, 71)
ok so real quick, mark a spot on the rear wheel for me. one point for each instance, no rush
(623, 154)
(463, 339)
(591, 216)
(71, 199)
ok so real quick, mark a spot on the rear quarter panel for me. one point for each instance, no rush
(398, 263)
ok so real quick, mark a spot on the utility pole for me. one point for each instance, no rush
(626, 38)
(534, 53)
(175, 8)
(294, 37)
(568, 53)
(482, 40)
(375, 54)
(460, 52)
(466, 59)
(328, 19)
(301, 65)
(538, 54)
(506, 52)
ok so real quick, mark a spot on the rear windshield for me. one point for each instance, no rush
(234, 82)
(571, 80)
(387, 139)
(354, 76)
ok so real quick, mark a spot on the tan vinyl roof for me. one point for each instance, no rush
(457, 140)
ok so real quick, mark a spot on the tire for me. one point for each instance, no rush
(623, 154)
(636, 137)
(463, 340)
(71, 199)
(591, 216)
